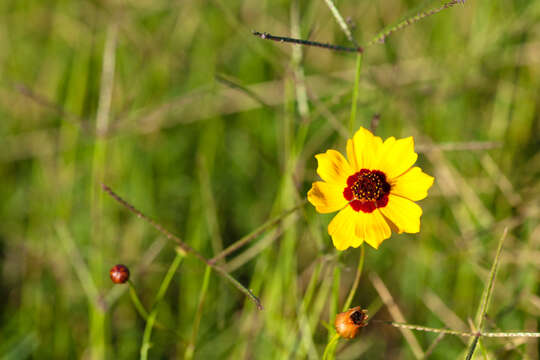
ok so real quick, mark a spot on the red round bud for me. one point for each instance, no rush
(349, 322)
(119, 274)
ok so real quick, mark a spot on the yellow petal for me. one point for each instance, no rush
(326, 197)
(413, 184)
(403, 213)
(372, 228)
(364, 149)
(351, 156)
(333, 167)
(342, 229)
(397, 156)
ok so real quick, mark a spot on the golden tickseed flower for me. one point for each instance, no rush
(349, 322)
(374, 190)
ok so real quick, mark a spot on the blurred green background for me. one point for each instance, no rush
(212, 131)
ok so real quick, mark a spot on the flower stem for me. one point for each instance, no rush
(355, 93)
(330, 348)
(137, 301)
(356, 279)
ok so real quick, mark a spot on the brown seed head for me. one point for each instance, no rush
(119, 274)
(349, 322)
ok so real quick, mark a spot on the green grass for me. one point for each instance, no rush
(213, 162)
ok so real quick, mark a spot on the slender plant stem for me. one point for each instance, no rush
(252, 235)
(381, 36)
(341, 21)
(486, 297)
(144, 313)
(332, 340)
(332, 343)
(354, 104)
(137, 301)
(150, 321)
(183, 246)
(202, 295)
(433, 345)
(334, 301)
(147, 335)
(473, 347)
(330, 347)
(356, 279)
(476, 334)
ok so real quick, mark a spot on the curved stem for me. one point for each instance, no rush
(137, 301)
(356, 279)
(151, 319)
(330, 348)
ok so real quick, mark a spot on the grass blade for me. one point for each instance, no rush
(486, 297)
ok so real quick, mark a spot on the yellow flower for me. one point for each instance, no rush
(374, 190)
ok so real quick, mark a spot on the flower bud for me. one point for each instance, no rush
(349, 322)
(119, 274)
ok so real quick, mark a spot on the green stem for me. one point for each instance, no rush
(335, 297)
(355, 93)
(356, 279)
(151, 319)
(330, 348)
(191, 346)
(137, 301)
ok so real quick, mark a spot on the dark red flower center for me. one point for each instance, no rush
(367, 190)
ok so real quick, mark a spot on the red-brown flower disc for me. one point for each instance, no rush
(119, 274)
(349, 322)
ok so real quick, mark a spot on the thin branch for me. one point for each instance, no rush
(381, 37)
(434, 344)
(473, 346)
(394, 310)
(185, 247)
(341, 22)
(503, 334)
(227, 81)
(268, 36)
(252, 235)
(44, 101)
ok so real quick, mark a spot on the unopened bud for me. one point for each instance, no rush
(349, 322)
(119, 274)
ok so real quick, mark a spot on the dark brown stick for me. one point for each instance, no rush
(268, 36)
